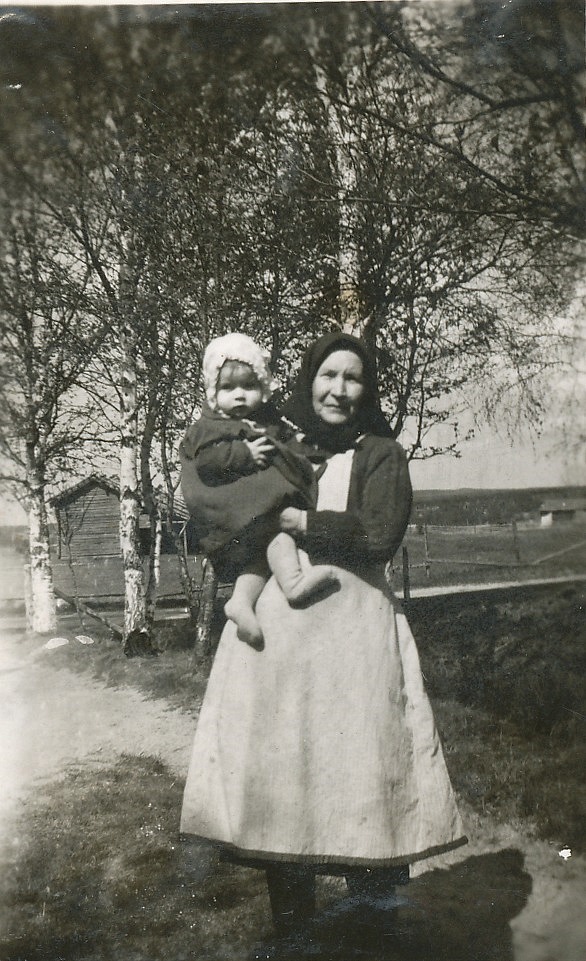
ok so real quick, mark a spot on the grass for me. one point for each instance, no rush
(500, 772)
(521, 656)
(100, 874)
(176, 675)
(507, 676)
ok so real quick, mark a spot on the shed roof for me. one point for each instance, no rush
(559, 504)
(109, 484)
(74, 490)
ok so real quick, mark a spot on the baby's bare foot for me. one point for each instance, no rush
(313, 582)
(247, 626)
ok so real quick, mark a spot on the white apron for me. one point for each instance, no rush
(322, 747)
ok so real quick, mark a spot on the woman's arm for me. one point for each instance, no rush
(373, 526)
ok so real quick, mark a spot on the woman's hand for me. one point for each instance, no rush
(260, 449)
(293, 521)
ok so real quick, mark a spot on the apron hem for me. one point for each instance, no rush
(259, 857)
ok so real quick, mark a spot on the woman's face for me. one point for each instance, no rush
(338, 387)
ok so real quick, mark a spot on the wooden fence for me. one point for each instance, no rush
(500, 547)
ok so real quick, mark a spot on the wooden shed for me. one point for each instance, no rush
(88, 515)
(563, 511)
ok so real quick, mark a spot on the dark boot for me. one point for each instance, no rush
(292, 896)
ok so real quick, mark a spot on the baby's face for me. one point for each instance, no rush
(238, 391)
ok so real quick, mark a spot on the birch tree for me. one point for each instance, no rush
(343, 136)
(44, 353)
(454, 238)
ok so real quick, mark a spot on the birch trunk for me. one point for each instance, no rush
(187, 582)
(179, 538)
(154, 575)
(134, 593)
(342, 134)
(348, 254)
(134, 599)
(41, 613)
(209, 589)
(152, 508)
(125, 309)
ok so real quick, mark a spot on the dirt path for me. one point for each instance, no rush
(51, 717)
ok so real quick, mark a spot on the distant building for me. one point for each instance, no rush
(558, 511)
(88, 517)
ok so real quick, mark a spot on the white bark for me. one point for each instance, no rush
(134, 595)
(41, 607)
(130, 500)
(154, 569)
(348, 254)
(41, 614)
(209, 589)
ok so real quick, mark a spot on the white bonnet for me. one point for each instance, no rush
(237, 347)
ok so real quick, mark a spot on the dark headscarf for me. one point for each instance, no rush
(333, 438)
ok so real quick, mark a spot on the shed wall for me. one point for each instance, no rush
(90, 522)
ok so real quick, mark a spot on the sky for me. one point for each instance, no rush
(491, 461)
(555, 458)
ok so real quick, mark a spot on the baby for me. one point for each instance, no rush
(239, 470)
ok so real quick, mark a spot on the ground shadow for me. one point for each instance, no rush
(459, 914)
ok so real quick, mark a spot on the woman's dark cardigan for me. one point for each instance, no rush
(379, 504)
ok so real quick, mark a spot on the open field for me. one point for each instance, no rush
(488, 505)
(474, 555)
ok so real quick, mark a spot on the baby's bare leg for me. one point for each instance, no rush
(298, 585)
(240, 607)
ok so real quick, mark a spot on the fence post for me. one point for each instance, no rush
(516, 545)
(426, 543)
(406, 583)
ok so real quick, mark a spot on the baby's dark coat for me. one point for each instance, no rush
(234, 504)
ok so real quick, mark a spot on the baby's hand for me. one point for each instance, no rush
(293, 521)
(260, 449)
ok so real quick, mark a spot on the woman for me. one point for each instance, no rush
(319, 753)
